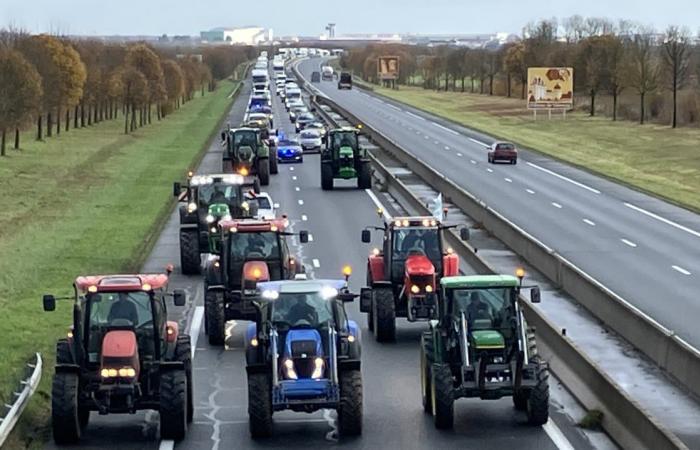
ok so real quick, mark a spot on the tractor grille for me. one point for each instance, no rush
(303, 349)
(422, 280)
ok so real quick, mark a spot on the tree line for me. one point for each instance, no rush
(53, 82)
(608, 58)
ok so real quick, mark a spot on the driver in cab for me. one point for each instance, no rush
(123, 309)
(301, 310)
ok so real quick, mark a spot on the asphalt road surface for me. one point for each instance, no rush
(393, 416)
(644, 249)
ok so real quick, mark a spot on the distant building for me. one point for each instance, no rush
(241, 36)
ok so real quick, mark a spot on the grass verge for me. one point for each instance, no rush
(652, 158)
(89, 201)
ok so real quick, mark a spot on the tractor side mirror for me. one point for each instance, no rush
(366, 236)
(49, 303)
(464, 234)
(179, 297)
(176, 189)
(346, 296)
(277, 132)
(303, 236)
(535, 295)
(223, 135)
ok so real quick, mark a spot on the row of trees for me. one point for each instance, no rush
(52, 82)
(607, 59)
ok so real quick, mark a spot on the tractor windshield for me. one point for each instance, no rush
(488, 308)
(255, 246)
(417, 241)
(245, 139)
(218, 193)
(348, 139)
(307, 309)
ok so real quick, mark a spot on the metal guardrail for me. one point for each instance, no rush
(625, 420)
(15, 409)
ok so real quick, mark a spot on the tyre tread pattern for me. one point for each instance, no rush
(350, 408)
(173, 405)
(259, 406)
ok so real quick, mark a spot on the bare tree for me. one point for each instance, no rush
(676, 52)
(617, 77)
(643, 71)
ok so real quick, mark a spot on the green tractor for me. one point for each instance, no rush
(344, 158)
(481, 347)
(247, 153)
(206, 200)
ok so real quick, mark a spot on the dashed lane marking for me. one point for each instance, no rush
(304, 218)
(316, 263)
(300, 201)
(589, 222)
(681, 270)
(630, 243)
(508, 180)
(556, 205)
(446, 129)
(489, 170)
(530, 191)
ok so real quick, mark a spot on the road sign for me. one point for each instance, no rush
(550, 88)
(388, 67)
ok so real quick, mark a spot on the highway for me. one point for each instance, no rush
(644, 249)
(393, 416)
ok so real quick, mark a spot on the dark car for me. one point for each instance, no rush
(503, 151)
(303, 120)
(315, 77)
(289, 150)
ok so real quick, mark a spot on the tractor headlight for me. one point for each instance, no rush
(289, 369)
(429, 289)
(213, 229)
(318, 368)
(245, 206)
(210, 218)
(415, 289)
(191, 207)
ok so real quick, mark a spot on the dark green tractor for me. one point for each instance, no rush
(344, 158)
(481, 347)
(246, 153)
(208, 199)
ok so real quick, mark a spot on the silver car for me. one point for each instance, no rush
(310, 141)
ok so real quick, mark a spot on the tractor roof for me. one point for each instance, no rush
(235, 130)
(414, 221)
(300, 286)
(254, 225)
(479, 281)
(345, 130)
(121, 283)
(230, 178)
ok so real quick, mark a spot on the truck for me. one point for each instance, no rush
(345, 80)
(327, 73)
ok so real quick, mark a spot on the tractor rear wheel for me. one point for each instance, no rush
(65, 412)
(384, 312)
(183, 352)
(442, 392)
(538, 401)
(326, 177)
(426, 362)
(350, 408)
(214, 316)
(364, 178)
(264, 171)
(259, 405)
(190, 261)
(173, 405)
(370, 319)
(274, 166)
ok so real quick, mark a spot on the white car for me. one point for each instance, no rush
(266, 208)
(310, 141)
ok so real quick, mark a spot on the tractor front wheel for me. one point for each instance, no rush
(442, 392)
(326, 177)
(384, 312)
(65, 412)
(259, 405)
(538, 401)
(190, 261)
(183, 353)
(264, 171)
(274, 164)
(364, 178)
(173, 405)
(426, 362)
(350, 408)
(214, 317)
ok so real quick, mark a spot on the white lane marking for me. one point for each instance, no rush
(680, 269)
(316, 263)
(196, 325)
(589, 222)
(414, 115)
(297, 189)
(447, 148)
(417, 132)
(437, 143)
(556, 205)
(378, 204)
(556, 435)
(479, 142)
(394, 106)
(332, 435)
(379, 100)
(459, 154)
(630, 243)
(291, 168)
(300, 201)
(530, 191)
(294, 178)
(562, 177)
(311, 237)
(472, 161)
(446, 129)
(489, 170)
(304, 218)
(167, 445)
(662, 219)
(427, 137)
(508, 180)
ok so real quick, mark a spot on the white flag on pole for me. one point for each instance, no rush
(437, 207)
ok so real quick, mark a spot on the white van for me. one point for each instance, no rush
(261, 77)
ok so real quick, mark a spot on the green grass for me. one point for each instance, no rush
(89, 201)
(652, 158)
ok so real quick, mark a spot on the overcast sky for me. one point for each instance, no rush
(306, 17)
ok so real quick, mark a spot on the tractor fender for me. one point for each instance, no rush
(450, 264)
(375, 267)
(166, 366)
(186, 217)
(254, 369)
(250, 332)
(349, 364)
(382, 284)
(67, 368)
(212, 274)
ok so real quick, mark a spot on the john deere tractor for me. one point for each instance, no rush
(343, 158)
(480, 346)
(246, 153)
(207, 199)
(121, 355)
(250, 251)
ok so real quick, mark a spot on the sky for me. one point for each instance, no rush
(309, 17)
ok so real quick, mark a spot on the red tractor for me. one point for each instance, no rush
(121, 355)
(403, 277)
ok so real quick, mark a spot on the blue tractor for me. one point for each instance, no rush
(303, 354)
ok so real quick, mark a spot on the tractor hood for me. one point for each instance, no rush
(487, 339)
(119, 349)
(345, 152)
(419, 265)
(219, 210)
(245, 153)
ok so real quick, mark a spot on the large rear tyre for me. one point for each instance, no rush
(364, 178)
(274, 164)
(256, 185)
(384, 313)
(442, 392)
(538, 401)
(426, 362)
(259, 405)
(190, 261)
(173, 405)
(215, 317)
(65, 412)
(326, 177)
(264, 171)
(183, 352)
(370, 319)
(350, 408)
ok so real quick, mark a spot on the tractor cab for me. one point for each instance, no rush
(120, 350)
(251, 251)
(206, 200)
(302, 351)
(344, 158)
(246, 153)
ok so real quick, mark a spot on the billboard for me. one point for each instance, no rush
(550, 88)
(388, 67)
